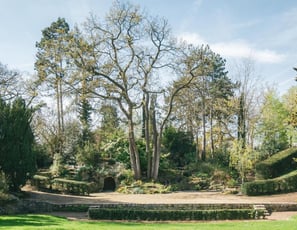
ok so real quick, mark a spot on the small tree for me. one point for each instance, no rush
(17, 159)
(242, 158)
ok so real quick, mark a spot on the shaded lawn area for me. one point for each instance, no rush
(50, 222)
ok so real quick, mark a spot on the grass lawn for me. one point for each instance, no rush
(51, 222)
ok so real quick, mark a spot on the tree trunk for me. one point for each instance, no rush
(146, 132)
(134, 155)
(212, 148)
(156, 143)
(203, 151)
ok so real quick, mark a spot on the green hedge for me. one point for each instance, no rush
(283, 184)
(162, 215)
(71, 186)
(277, 165)
(61, 185)
(41, 182)
(70, 207)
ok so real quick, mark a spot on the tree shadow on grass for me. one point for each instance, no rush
(30, 220)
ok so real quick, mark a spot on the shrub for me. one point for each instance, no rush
(157, 215)
(283, 184)
(41, 182)
(71, 186)
(279, 164)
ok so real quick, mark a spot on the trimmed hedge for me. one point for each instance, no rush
(41, 182)
(283, 184)
(70, 207)
(277, 165)
(162, 215)
(61, 185)
(71, 186)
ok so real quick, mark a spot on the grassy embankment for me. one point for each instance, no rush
(26, 222)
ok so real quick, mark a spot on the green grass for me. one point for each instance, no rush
(44, 222)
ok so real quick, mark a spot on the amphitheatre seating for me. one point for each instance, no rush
(260, 211)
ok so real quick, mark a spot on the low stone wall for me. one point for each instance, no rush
(26, 206)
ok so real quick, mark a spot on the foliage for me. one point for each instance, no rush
(17, 160)
(43, 158)
(52, 68)
(71, 186)
(284, 184)
(41, 182)
(8, 85)
(242, 158)
(161, 215)
(277, 165)
(180, 145)
(139, 187)
(273, 125)
(88, 155)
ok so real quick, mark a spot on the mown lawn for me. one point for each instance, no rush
(51, 222)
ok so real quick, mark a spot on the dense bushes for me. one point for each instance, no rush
(277, 165)
(283, 184)
(145, 214)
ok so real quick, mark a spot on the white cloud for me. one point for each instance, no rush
(236, 49)
(192, 38)
(241, 49)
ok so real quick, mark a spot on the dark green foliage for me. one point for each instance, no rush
(161, 215)
(43, 158)
(70, 207)
(277, 165)
(283, 184)
(180, 145)
(17, 159)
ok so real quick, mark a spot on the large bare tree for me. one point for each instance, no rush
(126, 54)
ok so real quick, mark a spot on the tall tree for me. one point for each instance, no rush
(273, 124)
(122, 52)
(200, 106)
(247, 102)
(51, 66)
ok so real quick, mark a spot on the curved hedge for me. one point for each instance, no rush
(283, 184)
(277, 165)
(161, 215)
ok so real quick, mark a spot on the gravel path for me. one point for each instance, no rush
(171, 198)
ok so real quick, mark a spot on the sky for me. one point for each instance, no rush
(264, 31)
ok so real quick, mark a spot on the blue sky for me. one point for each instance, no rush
(264, 30)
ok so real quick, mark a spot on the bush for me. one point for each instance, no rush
(283, 184)
(41, 182)
(161, 215)
(71, 186)
(277, 165)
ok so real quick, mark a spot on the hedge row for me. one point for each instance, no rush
(41, 182)
(164, 206)
(61, 185)
(162, 215)
(277, 165)
(283, 184)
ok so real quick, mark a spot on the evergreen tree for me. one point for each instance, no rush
(17, 159)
